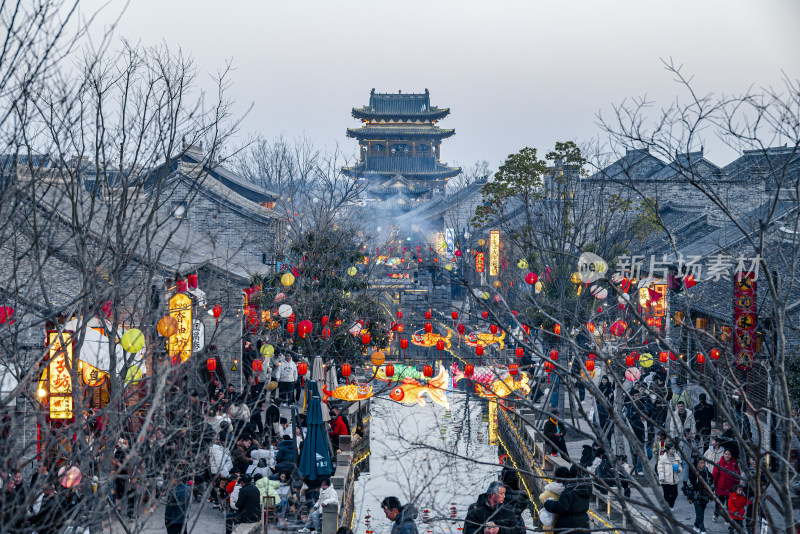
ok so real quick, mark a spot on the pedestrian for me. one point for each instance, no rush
(714, 453)
(489, 507)
(680, 420)
(241, 454)
(608, 475)
(669, 473)
(176, 510)
(338, 428)
(285, 457)
(248, 505)
(552, 490)
(638, 425)
(704, 414)
(688, 452)
(287, 376)
(327, 497)
(554, 433)
(726, 476)
(272, 419)
(737, 506)
(701, 484)
(728, 439)
(402, 516)
(603, 404)
(571, 509)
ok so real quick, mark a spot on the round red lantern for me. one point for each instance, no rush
(629, 361)
(513, 369)
(479, 350)
(211, 365)
(485, 314)
(365, 339)
(454, 315)
(427, 371)
(531, 278)
(493, 328)
(549, 366)
(714, 354)
(400, 327)
(553, 354)
(469, 370)
(290, 328)
(389, 370)
(399, 314)
(520, 352)
(428, 314)
(618, 328)
(461, 329)
(304, 327)
(590, 365)
(428, 328)
(701, 358)
(346, 370)
(302, 368)
(216, 311)
(635, 355)
(662, 357)
(258, 366)
(440, 345)
(324, 320)
(458, 253)
(403, 343)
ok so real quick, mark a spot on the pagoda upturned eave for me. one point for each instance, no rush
(384, 132)
(431, 114)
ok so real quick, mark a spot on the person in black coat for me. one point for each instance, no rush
(554, 431)
(699, 495)
(704, 414)
(490, 507)
(248, 505)
(571, 508)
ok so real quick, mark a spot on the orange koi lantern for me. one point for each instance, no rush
(427, 371)
(400, 327)
(389, 370)
(590, 327)
(557, 329)
(651, 321)
(513, 369)
(520, 352)
(590, 365)
(428, 328)
(469, 370)
(365, 339)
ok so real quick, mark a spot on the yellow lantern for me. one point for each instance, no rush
(646, 359)
(378, 358)
(134, 374)
(287, 279)
(167, 326)
(448, 267)
(485, 295)
(267, 350)
(352, 271)
(132, 340)
(481, 242)
(539, 287)
(497, 284)
(522, 264)
(576, 278)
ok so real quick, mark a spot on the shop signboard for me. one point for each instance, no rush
(59, 379)
(744, 319)
(180, 345)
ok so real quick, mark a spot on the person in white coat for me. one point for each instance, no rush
(669, 474)
(680, 420)
(287, 376)
(327, 497)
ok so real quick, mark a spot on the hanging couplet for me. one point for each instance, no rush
(180, 345)
(479, 262)
(744, 319)
(660, 308)
(494, 253)
(59, 380)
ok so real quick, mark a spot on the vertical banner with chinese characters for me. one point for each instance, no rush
(479, 262)
(180, 345)
(744, 319)
(59, 380)
(494, 253)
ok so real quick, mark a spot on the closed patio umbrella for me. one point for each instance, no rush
(315, 460)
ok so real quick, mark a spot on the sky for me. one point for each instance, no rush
(514, 74)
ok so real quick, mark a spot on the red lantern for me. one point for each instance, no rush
(454, 315)
(469, 370)
(326, 333)
(291, 318)
(427, 371)
(527, 329)
(557, 329)
(461, 329)
(618, 328)
(662, 357)
(216, 311)
(403, 343)
(258, 366)
(548, 368)
(592, 356)
(590, 327)
(428, 314)
(479, 350)
(211, 365)
(389, 370)
(714, 354)
(635, 355)
(304, 327)
(399, 314)
(519, 352)
(672, 356)
(590, 365)
(107, 309)
(458, 253)
(181, 286)
(629, 361)
(531, 278)
(553, 354)
(346, 370)
(302, 368)
(324, 320)
(365, 339)
(485, 314)
(290, 328)
(428, 328)
(192, 281)
(493, 328)
(701, 358)
(650, 321)
(513, 369)
(400, 327)
(440, 345)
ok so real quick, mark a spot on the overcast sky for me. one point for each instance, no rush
(514, 74)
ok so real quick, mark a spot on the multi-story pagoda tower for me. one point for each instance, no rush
(400, 148)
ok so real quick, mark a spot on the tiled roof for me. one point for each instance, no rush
(392, 130)
(635, 164)
(407, 166)
(684, 164)
(771, 161)
(400, 105)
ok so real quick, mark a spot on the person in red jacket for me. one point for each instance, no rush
(726, 476)
(338, 428)
(737, 505)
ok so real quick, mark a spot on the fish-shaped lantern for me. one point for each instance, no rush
(429, 339)
(503, 388)
(411, 391)
(474, 339)
(400, 372)
(350, 392)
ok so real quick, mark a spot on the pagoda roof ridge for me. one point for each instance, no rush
(386, 130)
(400, 105)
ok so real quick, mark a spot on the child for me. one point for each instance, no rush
(737, 504)
(553, 491)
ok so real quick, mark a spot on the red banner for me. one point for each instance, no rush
(479, 262)
(744, 319)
